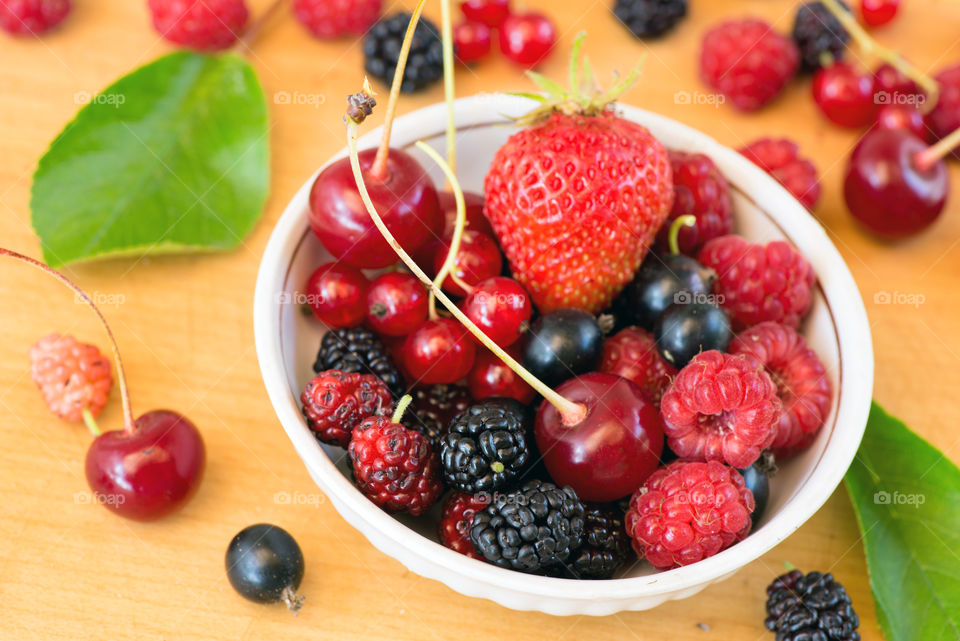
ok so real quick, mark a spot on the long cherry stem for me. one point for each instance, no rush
(872, 47)
(929, 156)
(378, 171)
(129, 423)
(448, 88)
(571, 413)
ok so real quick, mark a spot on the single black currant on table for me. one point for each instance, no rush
(562, 344)
(686, 329)
(265, 565)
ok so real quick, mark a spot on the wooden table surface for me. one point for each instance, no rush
(71, 570)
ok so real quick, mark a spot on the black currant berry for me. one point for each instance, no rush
(686, 329)
(265, 564)
(757, 479)
(663, 281)
(562, 344)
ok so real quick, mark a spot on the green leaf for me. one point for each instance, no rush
(172, 157)
(548, 86)
(906, 494)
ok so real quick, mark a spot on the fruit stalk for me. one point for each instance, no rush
(928, 157)
(674, 235)
(129, 423)
(571, 413)
(451, 258)
(446, 28)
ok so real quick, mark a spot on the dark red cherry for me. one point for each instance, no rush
(396, 304)
(878, 12)
(887, 191)
(471, 41)
(439, 351)
(491, 377)
(612, 451)
(501, 307)
(151, 472)
(488, 12)
(473, 208)
(527, 38)
(845, 94)
(900, 116)
(479, 258)
(406, 200)
(337, 295)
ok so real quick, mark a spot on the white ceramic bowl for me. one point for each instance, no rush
(836, 328)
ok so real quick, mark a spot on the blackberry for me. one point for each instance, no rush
(432, 409)
(486, 447)
(356, 349)
(606, 545)
(810, 607)
(817, 32)
(381, 48)
(649, 18)
(530, 529)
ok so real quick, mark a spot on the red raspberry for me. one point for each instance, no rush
(800, 377)
(199, 24)
(334, 403)
(632, 353)
(759, 283)
(780, 159)
(747, 61)
(699, 190)
(32, 17)
(721, 407)
(335, 18)
(945, 115)
(395, 467)
(71, 376)
(456, 519)
(688, 511)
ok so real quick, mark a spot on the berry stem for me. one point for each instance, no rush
(446, 28)
(378, 171)
(129, 423)
(247, 38)
(688, 220)
(571, 413)
(91, 423)
(929, 156)
(402, 406)
(872, 47)
(292, 600)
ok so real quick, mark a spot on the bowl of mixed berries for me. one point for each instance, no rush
(603, 363)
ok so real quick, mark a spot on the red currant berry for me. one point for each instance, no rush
(337, 295)
(471, 41)
(479, 258)
(491, 377)
(473, 206)
(396, 304)
(439, 351)
(501, 307)
(905, 117)
(489, 12)
(878, 12)
(891, 85)
(527, 38)
(845, 95)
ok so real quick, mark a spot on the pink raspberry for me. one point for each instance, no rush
(32, 17)
(801, 380)
(721, 407)
(699, 190)
(206, 25)
(71, 376)
(781, 159)
(632, 353)
(335, 18)
(748, 62)
(334, 402)
(688, 511)
(759, 283)
(945, 115)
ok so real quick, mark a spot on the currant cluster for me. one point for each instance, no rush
(526, 38)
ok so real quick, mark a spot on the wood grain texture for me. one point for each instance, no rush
(70, 570)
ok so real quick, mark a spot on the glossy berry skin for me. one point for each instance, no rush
(489, 12)
(885, 189)
(473, 212)
(32, 17)
(906, 117)
(781, 158)
(206, 25)
(150, 473)
(490, 377)
(891, 81)
(662, 281)
(327, 19)
(396, 304)
(527, 38)
(439, 351)
(876, 13)
(337, 294)
(562, 344)
(945, 115)
(686, 329)
(406, 200)
(501, 307)
(456, 518)
(845, 95)
(756, 480)
(471, 41)
(263, 562)
(632, 353)
(699, 190)
(478, 259)
(612, 451)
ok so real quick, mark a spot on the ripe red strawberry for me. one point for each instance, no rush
(577, 198)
